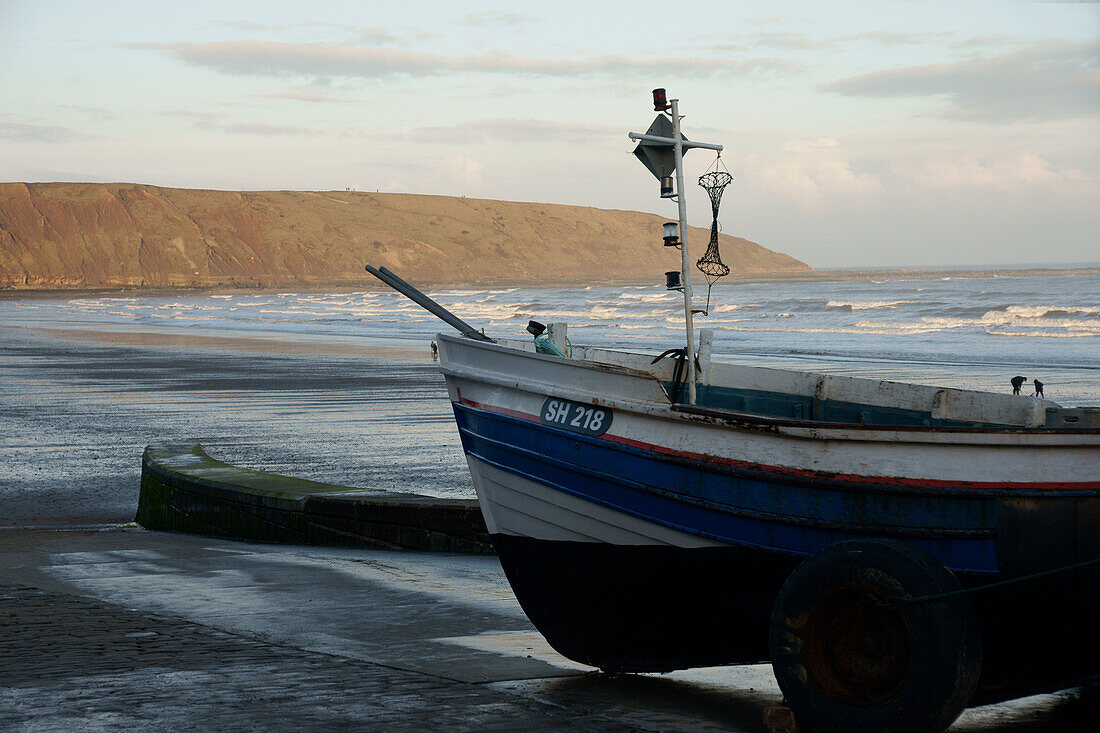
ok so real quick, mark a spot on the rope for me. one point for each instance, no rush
(907, 601)
(678, 375)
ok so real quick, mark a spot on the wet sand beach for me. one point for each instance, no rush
(109, 626)
(79, 406)
(125, 629)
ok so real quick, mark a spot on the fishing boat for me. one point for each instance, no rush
(897, 551)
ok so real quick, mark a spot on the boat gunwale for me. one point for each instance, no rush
(736, 417)
(814, 429)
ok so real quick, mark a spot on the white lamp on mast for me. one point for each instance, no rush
(672, 234)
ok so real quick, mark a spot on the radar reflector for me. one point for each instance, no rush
(659, 158)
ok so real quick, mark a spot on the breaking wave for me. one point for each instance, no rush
(868, 305)
(648, 297)
(1047, 334)
(1044, 311)
(850, 325)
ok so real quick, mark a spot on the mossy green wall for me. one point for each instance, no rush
(185, 490)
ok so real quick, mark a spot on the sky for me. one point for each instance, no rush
(858, 134)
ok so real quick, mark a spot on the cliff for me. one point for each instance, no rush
(81, 235)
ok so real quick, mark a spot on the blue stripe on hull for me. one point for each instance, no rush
(766, 511)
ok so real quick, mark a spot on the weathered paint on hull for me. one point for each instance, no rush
(738, 506)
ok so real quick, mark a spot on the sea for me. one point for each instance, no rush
(965, 332)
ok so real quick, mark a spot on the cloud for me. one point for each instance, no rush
(893, 38)
(791, 41)
(97, 113)
(1048, 81)
(461, 173)
(810, 146)
(396, 185)
(999, 41)
(49, 174)
(301, 97)
(813, 173)
(495, 17)
(454, 175)
(248, 25)
(765, 20)
(273, 58)
(797, 41)
(221, 122)
(263, 129)
(1021, 172)
(377, 36)
(482, 131)
(191, 114)
(31, 132)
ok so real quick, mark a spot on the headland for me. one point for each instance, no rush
(79, 236)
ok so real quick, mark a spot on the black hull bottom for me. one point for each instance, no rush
(1039, 635)
(646, 608)
(655, 609)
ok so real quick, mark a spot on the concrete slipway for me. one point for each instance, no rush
(399, 640)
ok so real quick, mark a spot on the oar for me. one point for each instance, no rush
(395, 282)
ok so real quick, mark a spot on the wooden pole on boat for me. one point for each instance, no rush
(685, 259)
(392, 279)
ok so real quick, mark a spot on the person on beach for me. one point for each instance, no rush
(435, 351)
(1017, 382)
(1038, 388)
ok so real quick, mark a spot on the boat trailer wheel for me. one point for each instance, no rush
(850, 657)
(858, 646)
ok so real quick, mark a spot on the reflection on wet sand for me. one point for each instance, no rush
(80, 407)
(235, 343)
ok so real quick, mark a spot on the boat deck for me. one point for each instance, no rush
(816, 397)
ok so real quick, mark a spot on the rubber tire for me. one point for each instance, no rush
(935, 647)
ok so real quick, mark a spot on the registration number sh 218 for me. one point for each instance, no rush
(587, 419)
